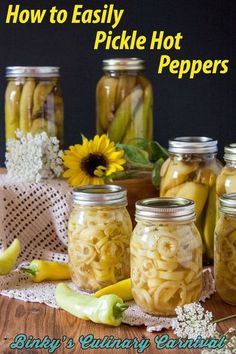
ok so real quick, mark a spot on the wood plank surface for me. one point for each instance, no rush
(40, 320)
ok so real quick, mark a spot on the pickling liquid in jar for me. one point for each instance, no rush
(226, 181)
(225, 249)
(191, 172)
(166, 255)
(124, 101)
(33, 101)
(99, 232)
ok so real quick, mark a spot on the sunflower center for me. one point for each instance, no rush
(91, 162)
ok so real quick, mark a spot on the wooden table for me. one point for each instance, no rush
(40, 320)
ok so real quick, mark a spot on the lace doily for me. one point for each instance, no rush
(19, 286)
(37, 215)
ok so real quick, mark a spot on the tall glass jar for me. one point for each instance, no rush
(99, 234)
(226, 181)
(124, 101)
(191, 172)
(33, 101)
(225, 249)
(166, 255)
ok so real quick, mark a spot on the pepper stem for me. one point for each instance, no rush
(28, 270)
(118, 309)
(224, 319)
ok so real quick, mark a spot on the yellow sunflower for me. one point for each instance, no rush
(90, 162)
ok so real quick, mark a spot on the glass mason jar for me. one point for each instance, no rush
(166, 255)
(191, 172)
(124, 101)
(225, 249)
(99, 234)
(226, 181)
(33, 101)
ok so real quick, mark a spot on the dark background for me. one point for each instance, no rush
(205, 105)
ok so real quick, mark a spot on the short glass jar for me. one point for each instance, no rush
(226, 181)
(225, 249)
(99, 234)
(191, 172)
(33, 101)
(166, 255)
(124, 101)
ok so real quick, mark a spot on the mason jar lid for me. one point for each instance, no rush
(123, 64)
(230, 152)
(32, 71)
(93, 195)
(193, 145)
(165, 209)
(228, 203)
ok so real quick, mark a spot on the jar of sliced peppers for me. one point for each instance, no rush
(99, 234)
(226, 181)
(166, 255)
(225, 249)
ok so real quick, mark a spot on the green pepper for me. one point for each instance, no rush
(41, 270)
(108, 309)
(9, 256)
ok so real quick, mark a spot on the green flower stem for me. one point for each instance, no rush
(224, 318)
(121, 175)
(126, 174)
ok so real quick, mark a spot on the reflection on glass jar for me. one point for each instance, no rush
(33, 101)
(226, 181)
(124, 101)
(99, 234)
(225, 249)
(191, 172)
(166, 255)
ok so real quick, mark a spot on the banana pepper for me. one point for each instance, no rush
(108, 309)
(41, 270)
(9, 256)
(121, 289)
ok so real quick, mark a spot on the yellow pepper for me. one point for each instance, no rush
(41, 270)
(108, 309)
(9, 256)
(121, 289)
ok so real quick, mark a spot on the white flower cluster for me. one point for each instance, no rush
(30, 158)
(193, 321)
(230, 347)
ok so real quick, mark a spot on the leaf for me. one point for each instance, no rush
(141, 143)
(134, 156)
(156, 172)
(158, 151)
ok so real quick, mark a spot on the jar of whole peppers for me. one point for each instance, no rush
(99, 234)
(124, 101)
(225, 249)
(166, 255)
(191, 172)
(33, 101)
(226, 181)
